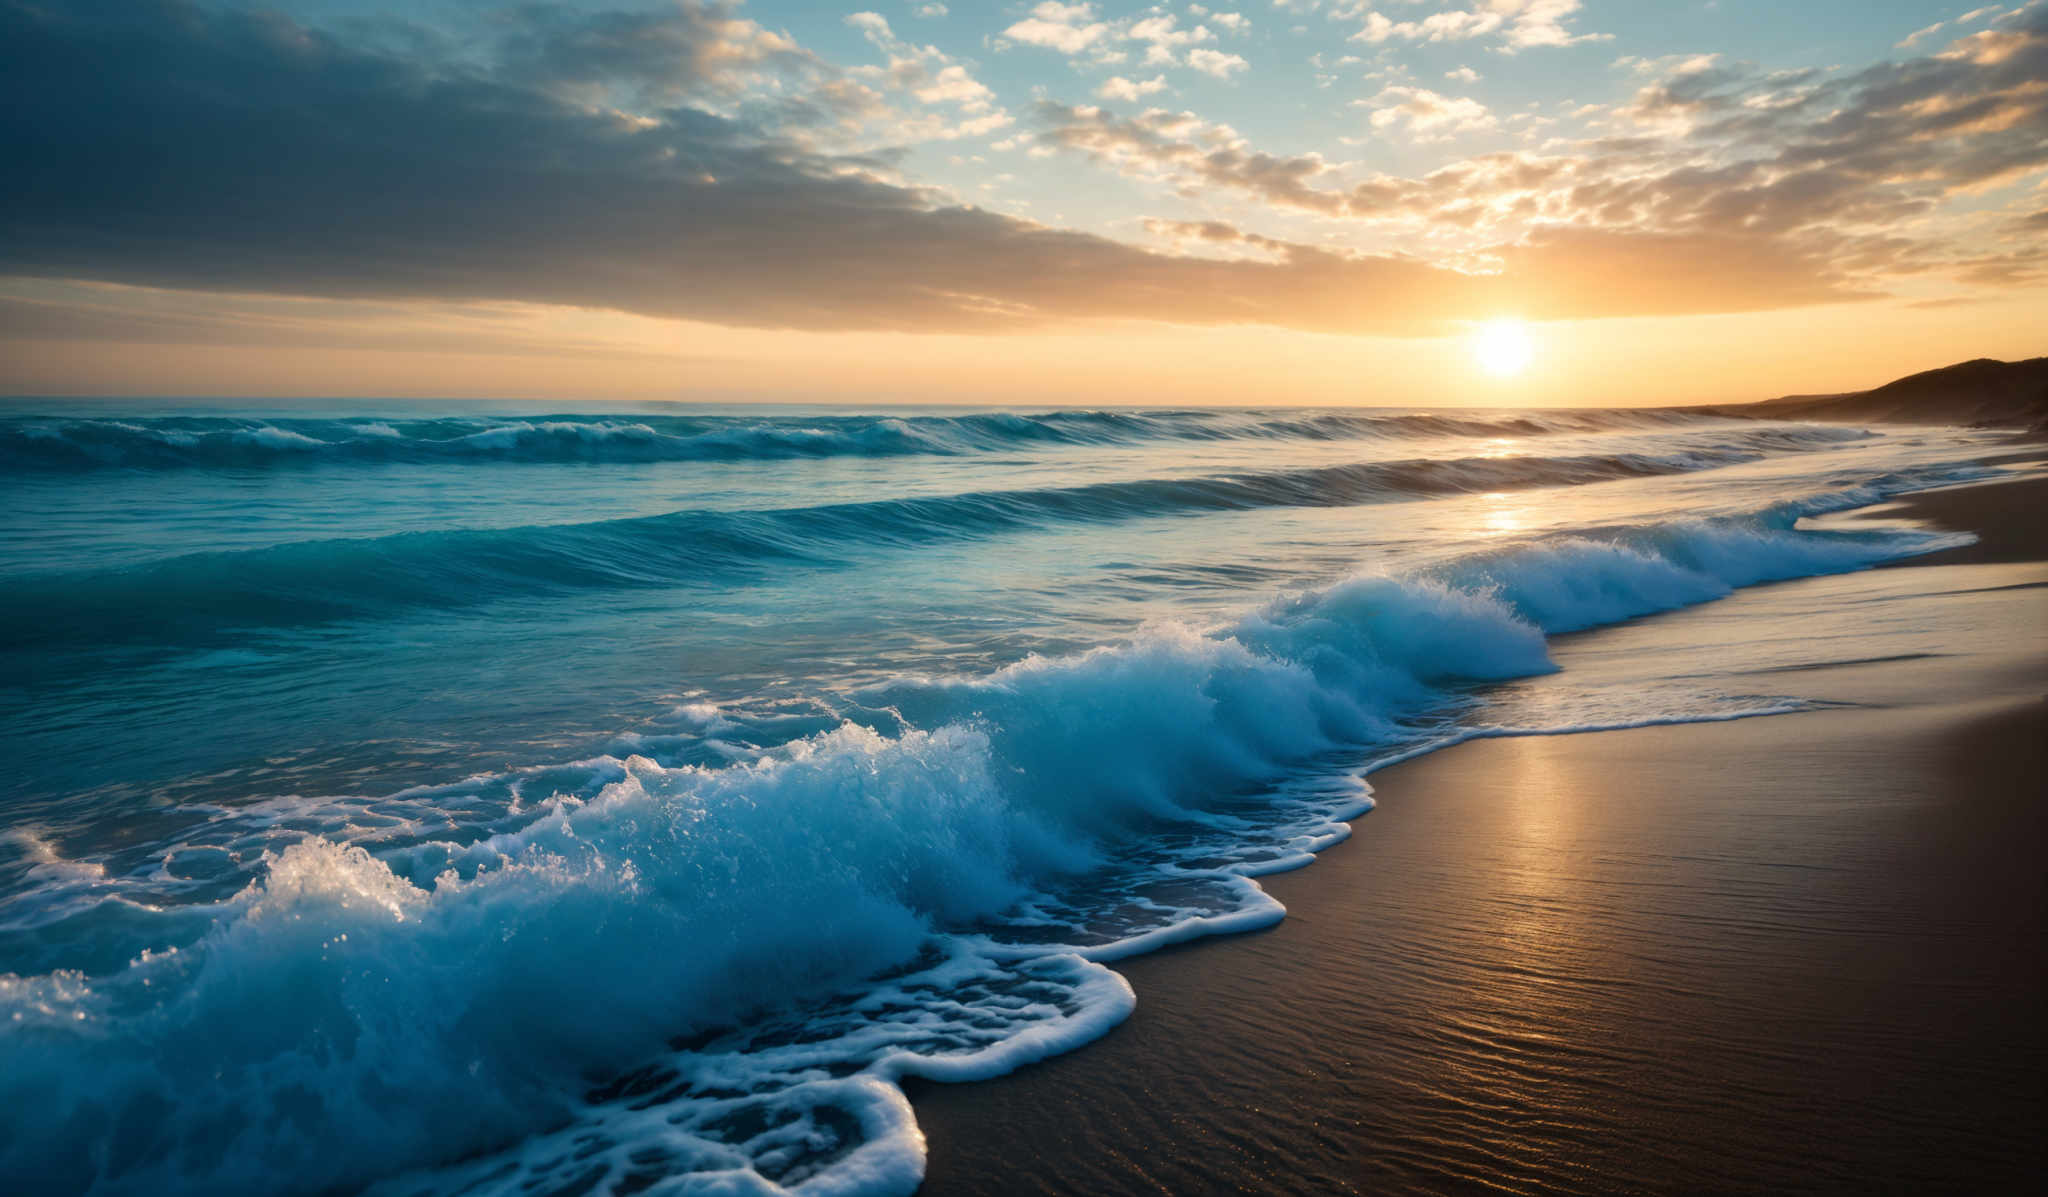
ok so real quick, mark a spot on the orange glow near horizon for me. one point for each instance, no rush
(234, 346)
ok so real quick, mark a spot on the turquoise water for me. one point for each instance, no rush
(433, 794)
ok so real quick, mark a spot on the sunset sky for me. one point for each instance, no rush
(1277, 201)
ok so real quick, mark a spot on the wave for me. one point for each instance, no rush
(178, 442)
(190, 597)
(314, 993)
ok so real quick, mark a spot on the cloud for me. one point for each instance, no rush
(1215, 62)
(1865, 176)
(1077, 29)
(1187, 151)
(1520, 24)
(1068, 28)
(1568, 269)
(1541, 23)
(1200, 230)
(337, 166)
(310, 166)
(1164, 30)
(1437, 27)
(44, 310)
(1424, 114)
(1563, 271)
(688, 50)
(1907, 42)
(1116, 87)
(954, 85)
(1969, 18)
(931, 77)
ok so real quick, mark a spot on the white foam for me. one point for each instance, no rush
(928, 889)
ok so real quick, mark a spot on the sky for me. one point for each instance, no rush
(1267, 202)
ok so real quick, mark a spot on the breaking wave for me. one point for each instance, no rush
(183, 442)
(710, 970)
(198, 595)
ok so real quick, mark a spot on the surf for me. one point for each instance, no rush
(641, 965)
(194, 597)
(32, 442)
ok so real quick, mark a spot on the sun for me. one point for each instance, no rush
(1502, 347)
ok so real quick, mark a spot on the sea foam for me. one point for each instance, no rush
(710, 975)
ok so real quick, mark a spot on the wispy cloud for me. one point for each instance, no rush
(1116, 87)
(1156, 35)
(1516, 24)
(1424, 114)
(1867, 172)
(314, 167)
(691, 162)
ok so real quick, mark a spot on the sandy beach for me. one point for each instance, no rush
(616, 597)
(1790, 953)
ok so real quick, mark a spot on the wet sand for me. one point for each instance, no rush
(1792, 953)
(2010, 520)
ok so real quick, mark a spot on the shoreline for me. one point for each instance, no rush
(1995, 512)
(1799, 952)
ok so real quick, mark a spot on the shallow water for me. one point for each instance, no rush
(632, 797)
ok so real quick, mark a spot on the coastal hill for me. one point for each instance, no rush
(1983, 392)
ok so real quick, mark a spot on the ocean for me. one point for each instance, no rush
(467, 797)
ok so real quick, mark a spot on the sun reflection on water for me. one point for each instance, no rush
(1504, 515)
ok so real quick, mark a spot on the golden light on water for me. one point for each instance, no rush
(1502, 347)
(1503, 515)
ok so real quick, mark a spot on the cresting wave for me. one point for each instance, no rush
(192, 597)
(639, 972)
(184, 442)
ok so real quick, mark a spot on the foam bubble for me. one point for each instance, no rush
(926, 888)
